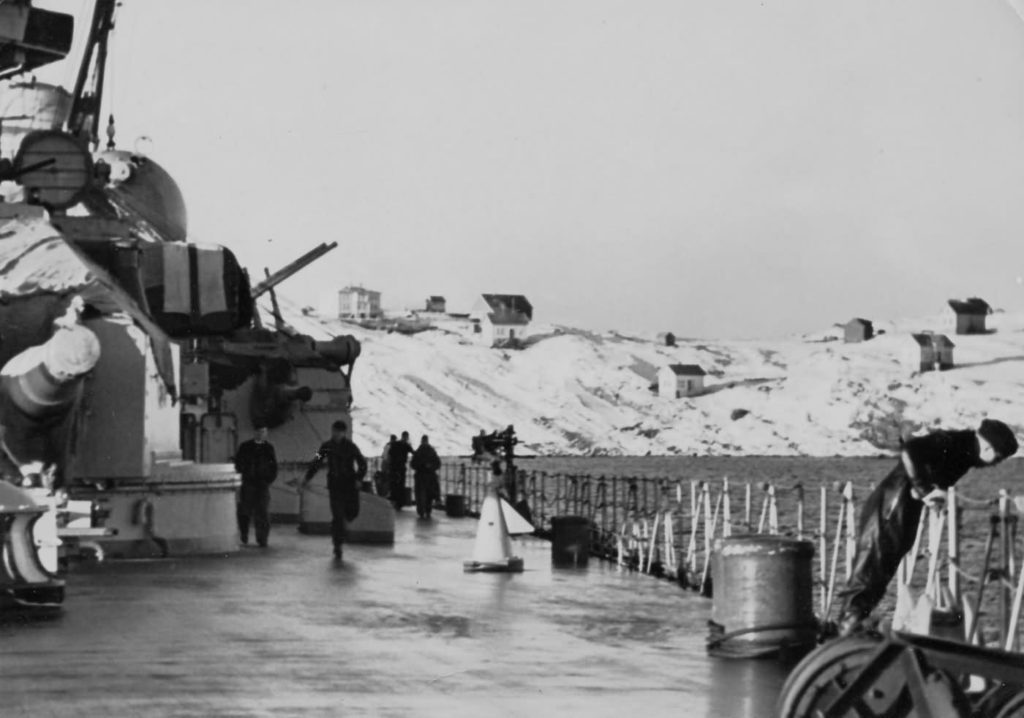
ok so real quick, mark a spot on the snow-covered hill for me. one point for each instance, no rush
(575, 392)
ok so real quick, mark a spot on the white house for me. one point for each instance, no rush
(679, 380)
(358, 303)
(502, 318)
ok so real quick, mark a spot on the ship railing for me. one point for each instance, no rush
(668, 527)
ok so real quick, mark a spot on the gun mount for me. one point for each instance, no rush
(281, 379)
(292, 268)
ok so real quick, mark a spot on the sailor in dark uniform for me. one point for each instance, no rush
(256, 462)
(928, 466)
(346, 469)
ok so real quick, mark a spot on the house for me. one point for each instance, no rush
(679, 380)
(944, 352)
(359, 303)
(502, 318)
(437, 305)
(968, 315)
(667, 338)
(932, 352)
(858, 330)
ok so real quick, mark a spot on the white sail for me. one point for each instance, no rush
(514, 521)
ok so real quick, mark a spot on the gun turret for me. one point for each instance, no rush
(294, 267)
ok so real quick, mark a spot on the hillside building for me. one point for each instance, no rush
(667, 339)
(968, 316)
(679, 380)
(359, 303)
(436, 305)
(502, 318)
(932, 352)
(858, 330)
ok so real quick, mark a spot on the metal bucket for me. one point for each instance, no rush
(455, 505)
(570, 541)
(763, 598)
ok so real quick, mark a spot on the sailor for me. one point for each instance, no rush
(479, 444)
(382, 478)
(398, 458)
(928, 466)
(256, 462)
(346, 469)
(425, 465)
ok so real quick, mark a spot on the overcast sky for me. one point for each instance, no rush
(739, 168)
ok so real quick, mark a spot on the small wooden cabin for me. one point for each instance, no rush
(679, 380)
(858, 330)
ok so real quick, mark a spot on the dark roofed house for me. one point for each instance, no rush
(503, 318)
(858, 330)
(509, 303)
(932, 352)
(436, 304)
(969, 315)
(679, 380)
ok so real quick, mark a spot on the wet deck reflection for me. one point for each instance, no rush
(393, 631)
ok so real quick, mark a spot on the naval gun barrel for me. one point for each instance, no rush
(38, 390)
(42, 380)
(292, 268)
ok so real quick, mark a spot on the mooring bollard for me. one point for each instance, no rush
(762, 597)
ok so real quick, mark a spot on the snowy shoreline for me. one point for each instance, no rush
(582, 393)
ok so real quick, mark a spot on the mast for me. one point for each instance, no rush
(87, 97)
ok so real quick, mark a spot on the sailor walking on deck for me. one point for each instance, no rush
(928, 466)
(346, 469)
(256, 462)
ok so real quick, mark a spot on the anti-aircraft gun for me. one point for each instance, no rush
(263, 376)
(294, 384)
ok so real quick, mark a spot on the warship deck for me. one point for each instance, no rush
(392, 631)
